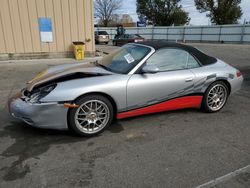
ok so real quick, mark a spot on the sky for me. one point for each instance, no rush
(129, 7)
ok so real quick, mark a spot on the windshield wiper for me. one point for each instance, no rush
(100, 65)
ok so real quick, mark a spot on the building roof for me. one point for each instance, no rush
(203, 58)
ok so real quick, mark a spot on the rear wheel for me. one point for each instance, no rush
(215, 97)
(94, 114)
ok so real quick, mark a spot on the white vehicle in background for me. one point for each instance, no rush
(101, 37)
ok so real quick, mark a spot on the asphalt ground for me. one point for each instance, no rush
(185, 148)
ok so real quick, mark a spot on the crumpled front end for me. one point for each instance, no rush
(50, 115)
(29, 104)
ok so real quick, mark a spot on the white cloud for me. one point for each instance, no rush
(197, 18)
(129, 7)
(245, 5)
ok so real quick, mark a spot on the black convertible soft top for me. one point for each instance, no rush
(204, 59)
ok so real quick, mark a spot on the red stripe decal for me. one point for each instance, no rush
(173, 104)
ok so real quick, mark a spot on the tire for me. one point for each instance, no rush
(114, 43)
(94, 114)
(106, 42)
(215, 97)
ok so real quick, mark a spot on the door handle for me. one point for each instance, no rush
(189, 79)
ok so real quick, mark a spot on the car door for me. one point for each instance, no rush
(130, 38)
(174, 79)
(119, 40)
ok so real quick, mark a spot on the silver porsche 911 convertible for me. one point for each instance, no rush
(137, 79)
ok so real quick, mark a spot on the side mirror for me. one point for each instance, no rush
(152, 69)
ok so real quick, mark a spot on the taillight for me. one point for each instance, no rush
(238, 73)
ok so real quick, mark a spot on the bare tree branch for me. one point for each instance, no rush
(104, 10)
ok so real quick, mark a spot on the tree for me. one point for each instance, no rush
(126, 18)
(115, 19)
(104, 9)
(162, 12)
(220, 11)
(121, 19)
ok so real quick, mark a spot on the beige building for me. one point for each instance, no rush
(20, 28)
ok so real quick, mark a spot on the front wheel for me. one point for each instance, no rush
(215, 97)
(92, 116)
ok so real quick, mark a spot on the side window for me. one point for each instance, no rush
(169, 59)
(192, 63)
(120, 37)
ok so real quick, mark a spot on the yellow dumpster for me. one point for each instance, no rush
(79, 48)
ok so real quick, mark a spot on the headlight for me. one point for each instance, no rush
(39, 93)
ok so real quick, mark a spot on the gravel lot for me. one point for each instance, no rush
(184, 148)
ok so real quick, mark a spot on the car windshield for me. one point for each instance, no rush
(131, 36)
(125, 58)
(135, 36)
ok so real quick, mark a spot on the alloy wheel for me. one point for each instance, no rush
(217, 97)
(92, 116)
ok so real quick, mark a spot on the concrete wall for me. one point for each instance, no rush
(218, 33)
(72, 20)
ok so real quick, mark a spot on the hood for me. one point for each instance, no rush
(66, 72)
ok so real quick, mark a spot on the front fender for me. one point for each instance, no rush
(112, 85)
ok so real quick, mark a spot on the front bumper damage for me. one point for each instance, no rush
(50, 115)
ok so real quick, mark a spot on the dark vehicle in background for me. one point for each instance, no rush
(101, 37)
(120, 40)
